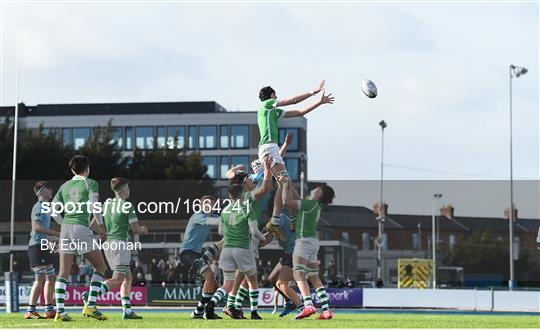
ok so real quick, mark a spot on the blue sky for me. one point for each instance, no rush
(441, 69)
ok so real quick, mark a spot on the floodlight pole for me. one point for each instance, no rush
(512, 72)
(14, 175)
(436, 198)
(382, 215)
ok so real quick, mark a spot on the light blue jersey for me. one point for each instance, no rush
(197, 231)
(290, 237)
(44, 219)
(257, 178)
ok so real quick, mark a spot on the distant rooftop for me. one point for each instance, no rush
(113, 108)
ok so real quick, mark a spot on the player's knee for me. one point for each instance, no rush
(282, 285)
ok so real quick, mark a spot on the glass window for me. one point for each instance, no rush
(144, 137)
(192, 137)
(80, 136)
(160, 136)
(211, 165)
(116, 138)
(224, 166)
(129, 138)
(224, 192)
(207, 137)
(240, 160)
(176, 133)
(293, 167)
(239, 136)
(224, 137)
(294, 131)
(66, 136)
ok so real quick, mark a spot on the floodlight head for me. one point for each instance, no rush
(518, 71)
(383, 124)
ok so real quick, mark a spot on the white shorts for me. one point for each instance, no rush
(254, 246)
(76, 239)
(118, 257)
(271, 149)
(307, 248)
(233, 259)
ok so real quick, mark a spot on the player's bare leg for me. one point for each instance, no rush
(273, 224)
(37, 286)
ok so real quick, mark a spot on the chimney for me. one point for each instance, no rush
(507, 214)
(448, 211)
(381, 212)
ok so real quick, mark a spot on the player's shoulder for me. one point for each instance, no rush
(268, 104)
(36, 208)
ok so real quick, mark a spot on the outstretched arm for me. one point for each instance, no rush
(290, 197)
(288, 141)
(325, 99)
(267, 180)
(232, 171)
(301, 97)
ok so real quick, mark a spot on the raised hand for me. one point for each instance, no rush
(319, 88)
(326, 99)
(289, 138)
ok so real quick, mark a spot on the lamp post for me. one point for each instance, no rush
(514, 72)
(436, 198)
(302, 176)
(14, 176)
(382, 214)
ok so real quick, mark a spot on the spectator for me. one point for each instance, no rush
(349, 283)
(82, 272)
(332, 273)
(155, 271)
(73, 274)
(139, 280)
(137, 268)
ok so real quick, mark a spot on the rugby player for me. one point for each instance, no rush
(239, 220)
(79, 196)
(306, 247)
(268, 116)
(120, 217)
(197, 232)
(40, 259)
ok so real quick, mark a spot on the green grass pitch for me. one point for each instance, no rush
(180, 319)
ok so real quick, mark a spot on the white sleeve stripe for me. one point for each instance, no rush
(132, 220)
(275, 104)
(299, 204)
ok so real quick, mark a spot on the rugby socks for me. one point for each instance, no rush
(210, 252)
(275, 220)
(241, 294)
(126, 305)
(49, 308)
(95, 289)
(205, 298)
(254, 299)
(231, 299)
(323, 298)
(308, 301)
(220, 293)
(60, 295)
(31, 308)
(104, 288)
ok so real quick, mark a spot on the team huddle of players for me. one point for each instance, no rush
(293, 223)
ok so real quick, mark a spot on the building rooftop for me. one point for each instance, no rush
(80, 109)
(362, 217)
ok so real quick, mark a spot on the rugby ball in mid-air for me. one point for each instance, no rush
(369, 88)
